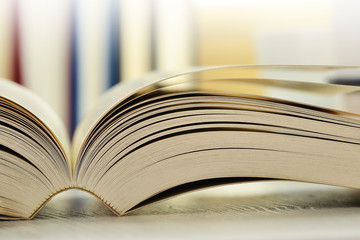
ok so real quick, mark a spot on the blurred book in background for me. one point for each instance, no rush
(89, 38)
(44, 39)
(6, 20)
(136, 38)
(174, 31)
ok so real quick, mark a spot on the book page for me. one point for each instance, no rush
(255, 80)
(39, 109)
(108, 100)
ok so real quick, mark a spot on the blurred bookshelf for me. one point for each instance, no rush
(70, 51)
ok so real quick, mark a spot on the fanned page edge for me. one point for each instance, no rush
(142, 85)
(123, 91)
(10, 91)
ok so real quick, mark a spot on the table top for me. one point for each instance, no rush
(269, 210)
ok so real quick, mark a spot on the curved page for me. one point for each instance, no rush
(151, 136)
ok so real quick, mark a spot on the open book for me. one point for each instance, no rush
(154, 138)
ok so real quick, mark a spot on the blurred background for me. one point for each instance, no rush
(70, 51)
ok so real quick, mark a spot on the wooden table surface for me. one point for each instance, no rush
(270, 210)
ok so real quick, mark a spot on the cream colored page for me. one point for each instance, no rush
(107, 101)
(192, 81)
(35, 105)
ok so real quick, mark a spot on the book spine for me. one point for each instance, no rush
(113, 45)
(16, 64)
(7, 9)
